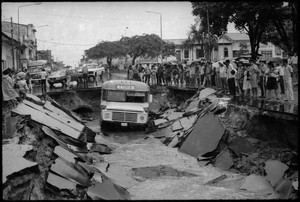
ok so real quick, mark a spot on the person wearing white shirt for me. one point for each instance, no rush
(231, 72)
(294, 64)
(223, 77)
(287, 78)
(44, 75)
(280, 71)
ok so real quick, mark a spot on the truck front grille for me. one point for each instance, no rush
(124, 117)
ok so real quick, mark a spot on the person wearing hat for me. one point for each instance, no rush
(262, 77)
(287, 78)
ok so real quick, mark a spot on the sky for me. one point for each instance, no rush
(69, 28)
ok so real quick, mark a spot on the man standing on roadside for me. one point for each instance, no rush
(262, 78)
(85, 72)
(44, 76)
(231, 72)
(294, 63)
(287, 78)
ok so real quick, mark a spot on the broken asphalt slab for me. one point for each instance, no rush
(13, 160)
(257, 184)
(275, 171)
(205, 136)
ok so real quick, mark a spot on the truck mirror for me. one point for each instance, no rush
(151, 98)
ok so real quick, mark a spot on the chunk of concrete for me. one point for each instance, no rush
(188, 122)
(215, 180)
(13, 161)
(160, 133)
(257, 184)
(107, 190)
(35, 99)
(241, 145)
(60, 182)
(97, 147)
(275, 171)
(224, 160)
(50, 133)
(69, 171)
(44, 119)
(69, 156)
(54, 114)
(206, 92)
(193, 106)
(205, 136)
(174, 142)
(174, 116)
(159, 121)
(284, 189)
(176, 126)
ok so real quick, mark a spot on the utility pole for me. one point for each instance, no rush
(208, 36)
(12, 43)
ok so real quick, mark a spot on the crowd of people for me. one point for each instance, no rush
(249, 78)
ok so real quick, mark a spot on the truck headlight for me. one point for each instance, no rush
(142, 118)
(106, 115)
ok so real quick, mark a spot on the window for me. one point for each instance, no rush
(225, 52)
(22, 51)
(125, 96)
(186, 53)
(266, 54)
(199, 53)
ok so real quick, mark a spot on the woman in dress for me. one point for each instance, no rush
(271, 81)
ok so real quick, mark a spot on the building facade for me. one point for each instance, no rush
(27, 39)
(230, 46)
(9, 52)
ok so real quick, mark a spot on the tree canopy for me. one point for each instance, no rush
(253, 18)
(106, 49)
(147, 45)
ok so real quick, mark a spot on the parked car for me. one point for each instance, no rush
(94, 70)
(61, 77)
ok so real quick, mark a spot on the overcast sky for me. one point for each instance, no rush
(76, 26)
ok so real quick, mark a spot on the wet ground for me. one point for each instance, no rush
(150, 170)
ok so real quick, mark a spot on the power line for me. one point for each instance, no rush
(67, 43)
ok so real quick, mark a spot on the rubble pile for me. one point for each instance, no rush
(51, 156)
(203, 127)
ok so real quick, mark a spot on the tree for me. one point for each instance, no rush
(249, 17)
(202, 37)
(106, 49)
(146, 45)
(282, 29)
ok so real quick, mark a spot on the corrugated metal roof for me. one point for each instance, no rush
(238, 36)
(176, 41)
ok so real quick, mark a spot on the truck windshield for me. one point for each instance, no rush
(125, 96)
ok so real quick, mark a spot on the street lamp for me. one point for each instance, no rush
(160, 17)
(125, 30)
(19, 25)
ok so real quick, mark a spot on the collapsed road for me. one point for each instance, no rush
(195, 147)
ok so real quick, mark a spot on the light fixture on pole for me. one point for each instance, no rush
(160, 17)
(19, 27)
(125, 30)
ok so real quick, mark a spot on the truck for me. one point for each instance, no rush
(94, 70)
(34, 69)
